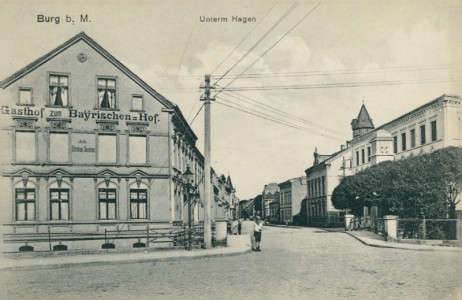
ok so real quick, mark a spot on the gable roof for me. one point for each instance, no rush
(82, 36)
(363, 120)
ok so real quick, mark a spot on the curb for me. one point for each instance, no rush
(284, 226)
(395, 246)
(124, 261)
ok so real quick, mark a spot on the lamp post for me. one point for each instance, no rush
(451, 199)
(375, 204)
(188, 177)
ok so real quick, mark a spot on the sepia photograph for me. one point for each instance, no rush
(216, 149)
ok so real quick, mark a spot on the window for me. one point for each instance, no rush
(25, 96)
(59, 90)
(434, 134)
(107, 148)
(395, 144)
(25, 148)
(412, 138)
(403, 141)
(422, 135)
(357, 158)
(138, 204)
(137, 102)
(106, 93)
(137, 151)
(368, 154)
(59, 204)
(107, 204)
(25, 204)
(59, 147)
(362, 156)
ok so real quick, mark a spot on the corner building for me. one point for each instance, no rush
(87, 147)
(434, 125)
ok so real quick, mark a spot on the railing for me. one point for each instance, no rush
(177, 234)
(368, 223)
(427, 229)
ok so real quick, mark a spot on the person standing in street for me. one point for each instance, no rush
(258, 227)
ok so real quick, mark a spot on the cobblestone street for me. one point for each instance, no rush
(304, 263)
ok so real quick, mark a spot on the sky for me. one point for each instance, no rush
(310, 70)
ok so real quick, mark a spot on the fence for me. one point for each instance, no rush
(427, 229)
(56, 237)
(367, 223)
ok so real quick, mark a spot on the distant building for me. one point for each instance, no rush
(274, 212)
(292, 192)
(270, 193)
(225, 198)
(322, 178)
(434, 125)
(246, 209)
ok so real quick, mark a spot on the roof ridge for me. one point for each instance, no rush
(97, 47)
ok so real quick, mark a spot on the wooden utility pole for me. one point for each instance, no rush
(207, 165)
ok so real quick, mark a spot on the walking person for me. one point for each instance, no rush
(258, 227)
(239, 226)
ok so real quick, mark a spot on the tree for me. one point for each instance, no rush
(410, 187)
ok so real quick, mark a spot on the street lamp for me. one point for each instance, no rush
(187, 177)
(451, 199)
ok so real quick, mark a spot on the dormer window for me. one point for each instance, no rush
(59, 90)
(107, 93)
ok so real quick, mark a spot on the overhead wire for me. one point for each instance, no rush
(342, 72)
(281, 112)
(276, 24)
(341, 85)
(272, 46)
(242, 40)
(271, 118)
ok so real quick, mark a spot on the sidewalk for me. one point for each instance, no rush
(236, 245)
(371, 239)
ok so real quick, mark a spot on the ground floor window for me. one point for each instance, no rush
(107, 204)
(59, 204)
(138, 203)
(25, 204)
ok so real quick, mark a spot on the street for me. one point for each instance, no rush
(304, 263)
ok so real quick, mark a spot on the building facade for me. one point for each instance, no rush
(322, 178)
(434, 125)
(89, 147)
(270, 193)
(291, 194)
(274, 212)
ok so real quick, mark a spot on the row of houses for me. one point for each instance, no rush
(306, 200)
(89, 147)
